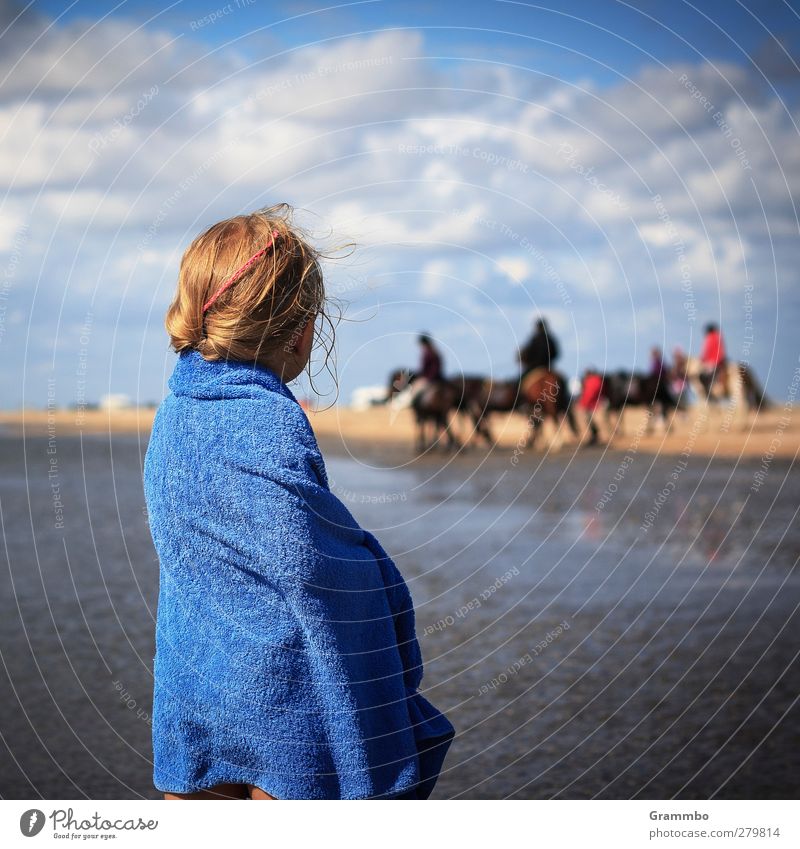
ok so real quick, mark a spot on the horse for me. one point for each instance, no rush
(478, 397)
(544, 394)
(432, 406)
(540, 394)
(625, 389)
(735, 383)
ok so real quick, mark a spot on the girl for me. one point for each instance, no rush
(286, 661)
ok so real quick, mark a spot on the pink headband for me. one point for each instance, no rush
(240, 271)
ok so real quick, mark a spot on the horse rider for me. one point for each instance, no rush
(430, 365)
(656, 363)
(541, 351)
(712, 360)
(591, 397)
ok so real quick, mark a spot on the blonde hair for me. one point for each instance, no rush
(266, 308)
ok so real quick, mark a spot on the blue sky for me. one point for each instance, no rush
(628, 170)
(565, 38)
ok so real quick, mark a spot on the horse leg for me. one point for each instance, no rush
(452, 439)
(443, 433)
(558, 437)
(592, 428)
(738, 397)
(421, 434)
(482, 427)
(609, 425)
(473, 417)
(530, 438)
(758, 398)
(437, 432)
(620, 428)
(573, 425)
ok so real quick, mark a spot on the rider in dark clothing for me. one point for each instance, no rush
(541, 351)
(431, 365)
(430, 371)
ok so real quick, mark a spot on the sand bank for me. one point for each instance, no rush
(382, 432)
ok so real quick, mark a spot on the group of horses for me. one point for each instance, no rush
(543, 394)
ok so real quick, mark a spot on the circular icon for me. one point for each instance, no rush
(31, 822)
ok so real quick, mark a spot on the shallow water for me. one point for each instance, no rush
(579, 652)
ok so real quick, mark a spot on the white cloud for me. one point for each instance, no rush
(86, 205)
(515, 267)
(437, 277)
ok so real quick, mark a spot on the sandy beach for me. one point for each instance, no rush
(387, 435)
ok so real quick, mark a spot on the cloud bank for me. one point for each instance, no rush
(480, 193)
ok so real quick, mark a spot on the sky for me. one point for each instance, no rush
(630, 171)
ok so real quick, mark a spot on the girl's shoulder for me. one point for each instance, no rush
(238, 416)
(281, 424)
(267, 434)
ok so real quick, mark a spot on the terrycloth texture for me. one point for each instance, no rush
(286, 655)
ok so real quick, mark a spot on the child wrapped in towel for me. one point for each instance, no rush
(287, 664)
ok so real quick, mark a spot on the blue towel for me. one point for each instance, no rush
(286, 655)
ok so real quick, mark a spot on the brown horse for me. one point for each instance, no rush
(541, 394)
(432, 408)
(544, 395)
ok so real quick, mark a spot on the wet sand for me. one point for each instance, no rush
(610, 623)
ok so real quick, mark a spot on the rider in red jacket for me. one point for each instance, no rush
(713, 354)
(591, 394)
(712, 357)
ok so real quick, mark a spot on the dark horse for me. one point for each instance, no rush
(623, 389)
(541, 394)
(432, 407)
